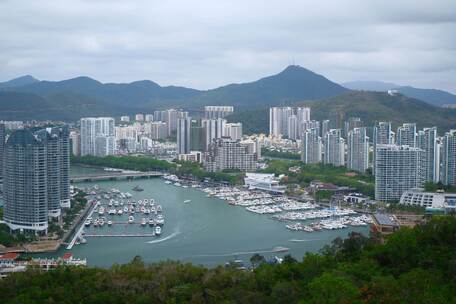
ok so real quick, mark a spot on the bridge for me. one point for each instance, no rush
(115, 176)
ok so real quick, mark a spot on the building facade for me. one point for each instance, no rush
(449, 158)
(311, 146)
(427, 141)
(183, 135)
(225, 153)
(407, 135)
(358, 150)
(334, 146)
(215, 112)
(97, 136)
(397, 169)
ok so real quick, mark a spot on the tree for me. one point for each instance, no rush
(333, 289)
(257, 260)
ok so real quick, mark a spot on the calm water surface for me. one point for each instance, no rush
(205, 231)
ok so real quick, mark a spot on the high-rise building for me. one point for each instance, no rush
(197, 136)
(397, 169)
(382, 135)
(325, 127)
(310, 124)
(225, 153)
(449, 158)
(279, 120)
(170, 116)
(149, 117)
(97, 136)
(427, 141)
(311, 146)
(351, 123)
(406, 135)
(156, 130)
(2, 147)
(214, 129)
(292, 127)
(183, 135)
(334, 148)
(125, 118)
(139, 117)
(56, 141)
(25, 183)
(75, 143)
(233, 130)
(358, 150)
(214, 112)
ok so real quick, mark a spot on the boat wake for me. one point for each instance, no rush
(273, 250)
(172, 235)
(297, 240)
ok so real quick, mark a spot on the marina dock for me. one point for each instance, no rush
(122, 235)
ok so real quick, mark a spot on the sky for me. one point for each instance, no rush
(205, 44)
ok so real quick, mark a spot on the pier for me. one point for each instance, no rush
(122, 235)
(80, 222)
(115, 176)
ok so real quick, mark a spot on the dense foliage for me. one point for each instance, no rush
(414, 266)
(433, 187)
(279, 154)
(339, 176)
(138, 163)
(196, 171)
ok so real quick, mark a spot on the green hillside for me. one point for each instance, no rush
(377, 106)
(414, 266)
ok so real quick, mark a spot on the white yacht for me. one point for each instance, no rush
(120, 212)
(131, 219)
(160, 220)
(143, 222)
(158, 230)
(109, 223)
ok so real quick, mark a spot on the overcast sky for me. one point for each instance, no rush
(205, 44)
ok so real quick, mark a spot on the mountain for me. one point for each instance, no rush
(293, 84)
(432, 96)
(380, 106)
(135, 94)
(17, 82)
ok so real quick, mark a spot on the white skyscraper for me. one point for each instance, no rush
(214, 112)
(292, 127)
(214, 129)
(183, 135)
(311, 146)
(427, 141)
(334, 148)
(358, 150)
(406, 135)
(397, 169)
(382, 135)
(449, 158)
(279, 120)
(233, 130)
(97, 136)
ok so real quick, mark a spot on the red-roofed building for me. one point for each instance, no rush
(7, 259)
(67, 256)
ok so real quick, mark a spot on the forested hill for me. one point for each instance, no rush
(370, 106)
(414, 266)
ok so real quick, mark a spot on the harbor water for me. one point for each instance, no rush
(205, 231)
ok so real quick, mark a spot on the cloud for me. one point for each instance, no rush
(205, 44)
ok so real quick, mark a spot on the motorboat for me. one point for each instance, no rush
(120, 212)
(143, 222)
(131, 219)
(160, 220)
(187, 201)
(109, 223)
(151, 222)
(158, 230)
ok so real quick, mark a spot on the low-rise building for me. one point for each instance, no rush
(435, 200)
(267, 182)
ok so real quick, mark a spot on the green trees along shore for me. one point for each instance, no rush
(414, 266)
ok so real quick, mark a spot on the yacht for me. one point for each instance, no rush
(138, 188)
(168, 182)
(143, 222)
(131, 219)
(158, 230)
(146, 211)
(187, 201)
(160, 220)
(151, 222)
(109, 223)
(177, 184)
(101, 210)
(88, 222)
(159, 208)
(125, 209)
(120, 212)
(112, 211)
